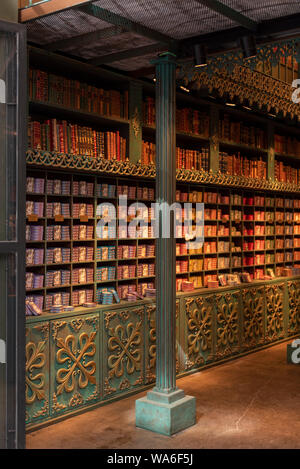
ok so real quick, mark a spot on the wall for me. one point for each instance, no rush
(9, 10)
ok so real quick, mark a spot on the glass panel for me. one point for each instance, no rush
(8, 135)
(7, 308)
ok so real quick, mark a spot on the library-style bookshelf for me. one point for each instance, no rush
(91, 138)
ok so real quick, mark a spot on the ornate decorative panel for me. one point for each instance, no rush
(123, 351)
(37, 372)
(253, 317)
(126, 168)
(75, 355)
(227, 324)
(150, 342)
(275, 316)
(294, 307)
(199, 315)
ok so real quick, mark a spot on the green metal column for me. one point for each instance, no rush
(166, 409)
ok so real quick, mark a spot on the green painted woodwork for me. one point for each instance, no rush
(37, 372)
(123, 351)
(214, 139)
(271, 153)
(75, 363)
(261, 313)
(135, 118)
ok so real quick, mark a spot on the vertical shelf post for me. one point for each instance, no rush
(271, 153)
(135, 124)
(166, 409)
(214, 139)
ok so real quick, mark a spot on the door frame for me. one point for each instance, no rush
(15, 323)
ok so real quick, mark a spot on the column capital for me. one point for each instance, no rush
(165, 58)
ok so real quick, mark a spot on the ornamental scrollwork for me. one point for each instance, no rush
(227, 324)
(275, 317)
(253, 312)
(294, 307)
(199, 322)
(123, 343)
(58, 160)
(35, 382)
(75, 360)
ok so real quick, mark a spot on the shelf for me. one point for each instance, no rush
(37, 107)
(242, 146)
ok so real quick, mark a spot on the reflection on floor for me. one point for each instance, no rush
(252, 402)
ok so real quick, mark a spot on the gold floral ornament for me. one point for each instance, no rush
(75, 360)
(275, 311)
(35, 360)
(228, 320)
(124, 342)
(199, 324)
(253, 313)
(294, 306)
(136, 122)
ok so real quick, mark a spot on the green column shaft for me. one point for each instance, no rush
(165, 247)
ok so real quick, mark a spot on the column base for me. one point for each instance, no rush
(165, 413)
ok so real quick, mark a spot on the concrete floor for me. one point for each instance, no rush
(252, 402)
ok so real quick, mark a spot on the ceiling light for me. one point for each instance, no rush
(200, 59)
(230, 104)
(248, 108)
(248, 46)
(184, 89)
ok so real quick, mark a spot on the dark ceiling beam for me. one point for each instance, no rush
(218, 41)
(84, 39)
(230, 13)
(128, 54)
(142, 72)
(118, 20)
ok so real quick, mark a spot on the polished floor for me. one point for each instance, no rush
(251, 402)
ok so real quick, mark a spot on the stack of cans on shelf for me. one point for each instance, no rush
(106, 190)
(105, 273)
(83, 188)
(143, 286)
(34, 256)
(126, 271)
(82, 209)
(34, 280)
(105, 253)
(82, 254)
(34, 208)
(57, 278)
(84, 275)
(83, 232)
(124, 290)
(34, 232)
(126, 251)
(35, 185)
(82, 296)
(60, 298)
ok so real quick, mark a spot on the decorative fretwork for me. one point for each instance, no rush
(253, 313)
(248, 86)
(294, 307)
(124, 335)
(35, 379)
(199, 338)
(120, 168)
(271, 54)
(75, 362)
(275, 321)
(227, 324)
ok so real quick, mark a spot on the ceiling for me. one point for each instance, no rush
(128, 35)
